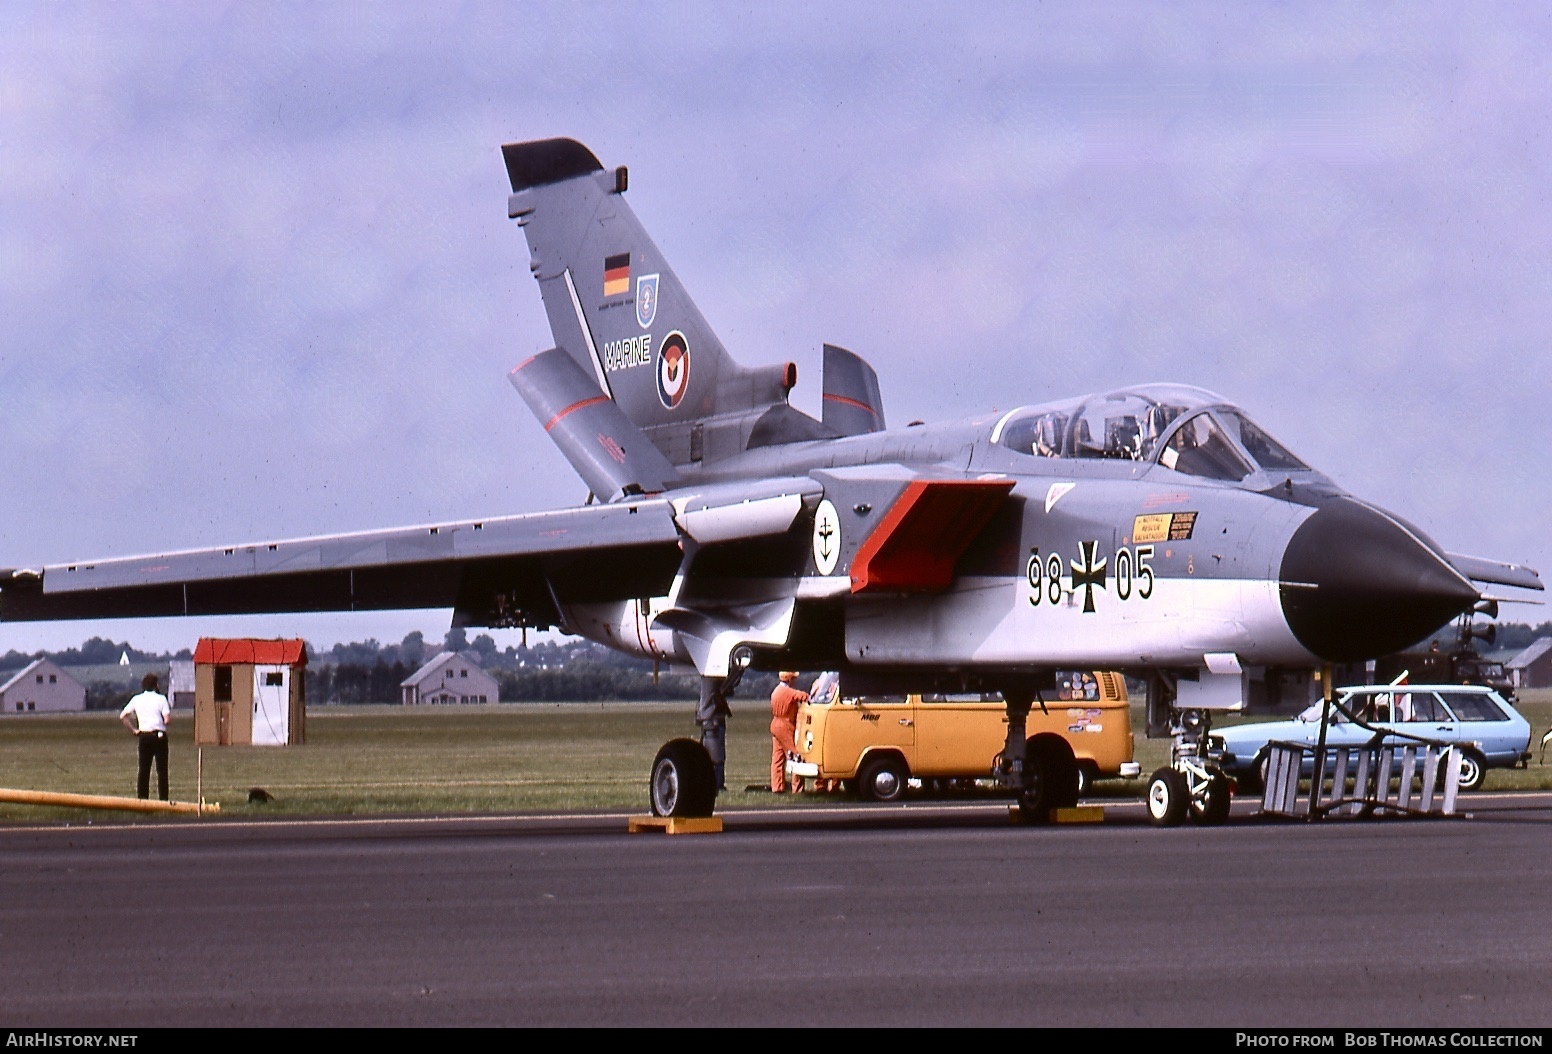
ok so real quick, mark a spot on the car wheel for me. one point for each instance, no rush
(1473, 770)
(1213, 806)
(883, 779)
(1262, 769)
(683, 782)
(1167, 798)
(1085, 778)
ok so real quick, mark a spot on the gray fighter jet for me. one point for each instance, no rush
(1155, 529)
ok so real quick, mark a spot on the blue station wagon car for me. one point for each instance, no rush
(1488, 730)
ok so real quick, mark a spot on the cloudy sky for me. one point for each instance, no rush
(257, 279)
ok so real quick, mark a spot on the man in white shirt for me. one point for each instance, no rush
(148, 715)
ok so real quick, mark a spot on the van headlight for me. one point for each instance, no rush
(808, 741)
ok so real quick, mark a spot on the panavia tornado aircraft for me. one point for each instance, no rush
(1156, 529)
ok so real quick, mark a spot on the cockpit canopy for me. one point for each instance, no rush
(1184, 429)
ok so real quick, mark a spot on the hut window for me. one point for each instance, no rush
(274, 680)
(223, 684)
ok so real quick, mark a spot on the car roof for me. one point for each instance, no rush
(1417, 688)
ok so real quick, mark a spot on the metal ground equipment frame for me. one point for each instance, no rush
(1393, 774)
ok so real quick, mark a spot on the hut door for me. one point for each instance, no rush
(271, 705)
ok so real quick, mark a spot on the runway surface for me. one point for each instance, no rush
(867, 916)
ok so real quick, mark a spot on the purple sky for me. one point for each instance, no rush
(257, 279)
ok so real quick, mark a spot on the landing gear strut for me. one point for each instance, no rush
(1192, 785)
(687, 775)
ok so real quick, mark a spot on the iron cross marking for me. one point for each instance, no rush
(1088, 576)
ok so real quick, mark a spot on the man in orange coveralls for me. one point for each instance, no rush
(785, 701)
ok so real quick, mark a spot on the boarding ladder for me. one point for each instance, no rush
(1393, 774)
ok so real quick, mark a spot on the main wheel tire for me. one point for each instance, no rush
(1167, 798)
(883, 779)
(683, 782)
(1473, 770)
(1050, 778)
(1213, 806)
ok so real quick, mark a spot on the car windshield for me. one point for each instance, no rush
(1311, 713)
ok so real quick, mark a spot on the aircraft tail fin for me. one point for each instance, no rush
(611, 455)
(852, 402)
(617, 308)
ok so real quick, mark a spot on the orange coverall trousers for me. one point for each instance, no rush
(785, 701)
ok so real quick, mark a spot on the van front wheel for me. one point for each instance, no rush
(882, 779)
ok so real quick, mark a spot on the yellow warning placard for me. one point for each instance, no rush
(1151, 527)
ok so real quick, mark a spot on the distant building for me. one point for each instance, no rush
(1532, 668)
(42, 688)
(450, 677)
(180, 684)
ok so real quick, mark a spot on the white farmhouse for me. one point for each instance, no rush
(450, 677)
(42, 688)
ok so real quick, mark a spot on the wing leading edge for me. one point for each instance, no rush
(511, 570)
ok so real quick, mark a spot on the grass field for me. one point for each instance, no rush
(512, 757)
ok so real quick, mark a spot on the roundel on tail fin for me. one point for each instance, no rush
(673, 369)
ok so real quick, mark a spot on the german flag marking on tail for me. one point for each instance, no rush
(617, 274)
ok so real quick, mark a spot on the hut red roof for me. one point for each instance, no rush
(248, 650)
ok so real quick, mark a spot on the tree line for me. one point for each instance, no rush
(368, 671)
(573, 670)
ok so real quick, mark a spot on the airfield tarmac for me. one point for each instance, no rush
(899, 915)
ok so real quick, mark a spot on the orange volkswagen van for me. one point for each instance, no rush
(876, 745)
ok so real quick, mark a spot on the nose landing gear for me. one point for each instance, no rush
(1192, 785)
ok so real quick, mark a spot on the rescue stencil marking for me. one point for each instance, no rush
(1163, 527)
(827, 537)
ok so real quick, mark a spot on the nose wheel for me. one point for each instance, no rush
(1192, 786)
(1193, 790)
(1167, 797)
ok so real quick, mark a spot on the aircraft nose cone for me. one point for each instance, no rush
(1357, 583)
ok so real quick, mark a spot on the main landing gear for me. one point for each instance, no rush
(683, 780)
(1192, 785)
(1041, 770)
(687, 775)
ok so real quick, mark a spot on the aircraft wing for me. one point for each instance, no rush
(511, 570)
(507, 571)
